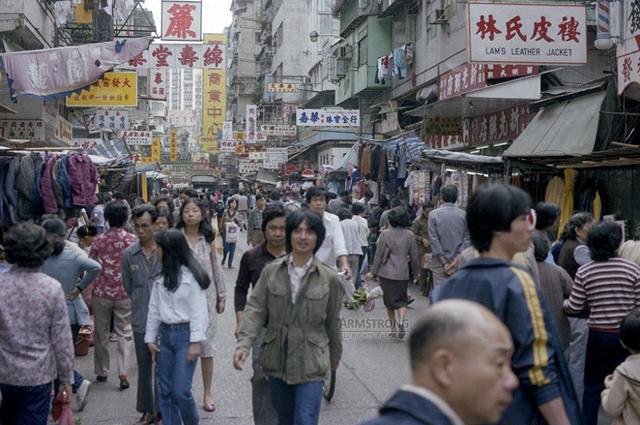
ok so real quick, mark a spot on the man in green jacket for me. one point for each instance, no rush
(298, 299)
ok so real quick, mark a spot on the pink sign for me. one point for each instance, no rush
(469, 77)
(181, 20)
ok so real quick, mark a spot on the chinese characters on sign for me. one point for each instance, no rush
(275, 158)
(250, 125)
(105, 119)
(173, 145)
(246, 166)
(86, 144)
(137, 138)
(158, 84)
(278, 130)
(207, 56)
(282, 88)
(628, 52)
(181, 20)
(257, 155)
(328, 118)
(527, 33)
(32, 130)
(227, 145)
(214, 100)
(113, 89)
(63, 130)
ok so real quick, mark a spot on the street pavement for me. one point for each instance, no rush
(373, 366)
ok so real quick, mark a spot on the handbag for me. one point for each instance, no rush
(61, 410)
(231, 235)
(81, 346)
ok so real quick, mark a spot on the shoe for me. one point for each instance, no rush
(101, 378)
(146, 419)
(124, 383)
(230, 267)
(113, 337)
(82, 393)
(401, 331)
(410, 301)
(209, 407)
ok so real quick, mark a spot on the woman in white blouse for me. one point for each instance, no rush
(177, 322)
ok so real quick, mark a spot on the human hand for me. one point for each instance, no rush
(236, 333)
(73, 294)
(153, 348)
(368, 276)
(66, 388)
(347, 272)
(608, 380)
(220, 306)
(334, 365)
(193, 352)
(239, 357)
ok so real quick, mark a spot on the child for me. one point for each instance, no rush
(621, 397)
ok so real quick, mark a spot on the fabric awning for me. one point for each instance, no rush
(567, 128)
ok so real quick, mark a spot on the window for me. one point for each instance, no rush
(362, 52)
(412, 27)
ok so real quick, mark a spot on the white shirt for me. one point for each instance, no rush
(333, 245)
(351, 233)
(188, 304)
(363, 228)
(440, 403)
(295, 276)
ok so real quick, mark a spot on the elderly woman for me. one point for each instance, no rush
(35, 333)
(298, 299)
(396, 247)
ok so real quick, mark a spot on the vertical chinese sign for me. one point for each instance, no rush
(181, 20)
(173, 145)
(214, 99)
(158, 84)
(628, 53)
(250, 124)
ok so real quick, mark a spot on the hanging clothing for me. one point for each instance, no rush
(399, 64)
(384, 65)
(83, 178)
(409, 53)
(46, 185)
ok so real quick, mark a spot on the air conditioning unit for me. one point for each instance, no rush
(440, 16)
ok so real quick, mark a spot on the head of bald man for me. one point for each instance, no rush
(461, 351)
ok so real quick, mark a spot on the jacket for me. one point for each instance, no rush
(46, 186)
(64, 182)
(622, 399)
(395, 246)
(566, 259)
(83, 177)
(25, 185)
(302, 340)
(137, 279)
(409, 408)
(10, 191)
(538, 361)
(421, 231)
(4, 210)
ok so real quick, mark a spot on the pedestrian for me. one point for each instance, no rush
(86, 236)
(555, 286)
(251, 265)
(574, 251)
(164, 220)
(610, 286)
(501, 225)
(358, 211)
(230, 230)
(298, 299)
(196, 227)
(254, 224)
(384, 217)
(630, 250)
(396, 256)
(109, 296)
(547, 221)
(420, 228)
(243, 208)
(351, 233)
(460, 369)
(621, 396)
(36, 341)
(176, 326)
(97, 215)
(140, 266)
(344, 201)
(75, 271)
(448, 235)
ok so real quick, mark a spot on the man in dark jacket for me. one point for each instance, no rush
(500, 225)
(461, 373)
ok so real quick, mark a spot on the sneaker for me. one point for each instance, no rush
(82, 393)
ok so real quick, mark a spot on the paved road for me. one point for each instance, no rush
(373, 366)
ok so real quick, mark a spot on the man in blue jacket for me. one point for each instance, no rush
(500, 226)
(461, 371)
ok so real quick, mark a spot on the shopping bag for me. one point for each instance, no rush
(81, 346)
(219, 246)
(232, 232)
(61, 410)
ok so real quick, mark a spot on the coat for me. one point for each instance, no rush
(622, 399)
(409, 408)
(83, 177)
(46, 186)
(420, 229)
(302, 340)
(396, 247)
(26, 186)
(10, 191)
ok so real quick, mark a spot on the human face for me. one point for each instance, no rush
(183, 198)
(482, 381)
(318, 204)
(233, 205)
(162, 204)
(162, 224)
(518, 238)
(583, 232)
(303, 239)
(191, 215)
(274, 232)
(144, 227)
(87, 240)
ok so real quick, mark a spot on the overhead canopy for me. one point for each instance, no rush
(568, 128)
(459, 157)
(408, 143)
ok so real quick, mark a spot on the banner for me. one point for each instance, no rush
(105, 119)
(211, 56)
(113, 89)
(543, 34)
(158, 84)
(173, 145)
(214, 100)
(181, 20)
(328, 118)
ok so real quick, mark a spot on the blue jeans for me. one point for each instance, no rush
(77, 377)
(176, 374)
(25, 405)
(229, 248)
(296, 404)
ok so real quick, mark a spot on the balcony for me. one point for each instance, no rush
(29, 23)
(265, 55)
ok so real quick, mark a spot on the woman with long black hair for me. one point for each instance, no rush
(177, 322)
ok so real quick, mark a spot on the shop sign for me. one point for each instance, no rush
(113, 89)
(158, 84)
(628, 52)
(250, 126)
(328, 118)
(181, 20)
(278, 130)
(137, 138)
(246, 166)
(173, 145)
(257, 155)
(86, 144)
(227, 145)
(206, 56)
(214, 100)
(497, 127)
(275, 158)
(109, 119)
(444, 125)
(444, 142)
(282, 88)
(63, 130)
(32, 130)
(541, 34)
(227, 130)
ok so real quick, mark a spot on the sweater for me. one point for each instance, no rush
(621, 400)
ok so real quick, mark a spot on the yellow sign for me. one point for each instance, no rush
(83, 16)
(173, 145)
(113, 89)
(156, 148)
(214, 102)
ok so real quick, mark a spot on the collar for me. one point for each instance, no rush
(433, 398)
(306, 267)
(448, 205)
